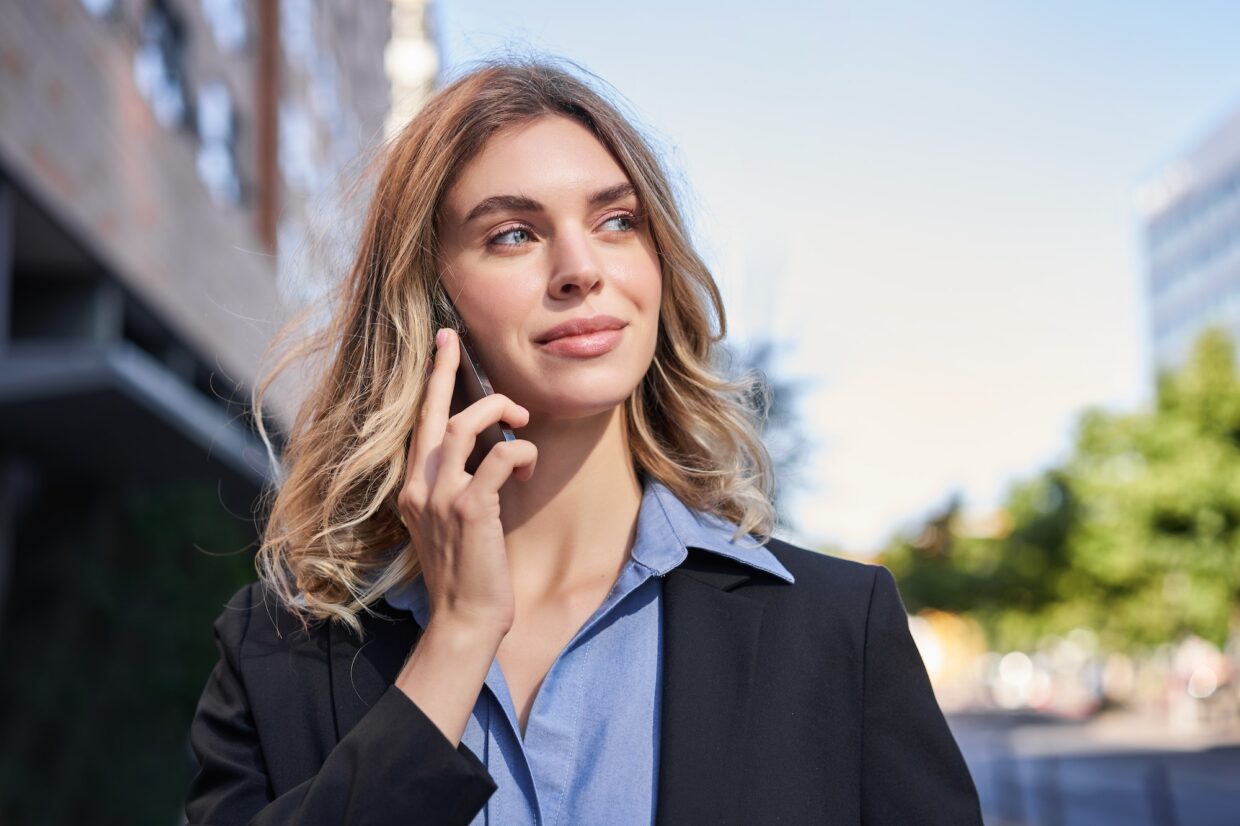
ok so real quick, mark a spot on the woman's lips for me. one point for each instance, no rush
(584, 345)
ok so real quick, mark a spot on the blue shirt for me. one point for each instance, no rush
(591, 748)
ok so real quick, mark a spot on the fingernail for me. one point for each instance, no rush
(441, 337)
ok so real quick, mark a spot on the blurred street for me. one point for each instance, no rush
(1117, 768)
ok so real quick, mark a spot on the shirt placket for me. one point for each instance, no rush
(548, 750)
(503, 738)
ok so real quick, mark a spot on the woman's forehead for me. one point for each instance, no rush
(551, 158)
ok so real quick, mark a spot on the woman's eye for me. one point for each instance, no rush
(517, 236)
(627, 219)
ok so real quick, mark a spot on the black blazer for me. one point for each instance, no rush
(782, 703)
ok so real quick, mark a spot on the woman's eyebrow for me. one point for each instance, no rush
(497, 203)
(521, 203)
(611, 193)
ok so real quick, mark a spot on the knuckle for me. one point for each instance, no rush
(462, 507)
(440, 507)
(412, 495)
(478, 503)
(515, 451)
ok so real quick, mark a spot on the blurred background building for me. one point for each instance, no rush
(155, 155)
(1192, 243)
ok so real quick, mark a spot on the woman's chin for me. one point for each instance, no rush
(563, 404)
(578, 408)
(572, 393)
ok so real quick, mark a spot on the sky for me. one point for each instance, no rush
(929, 207)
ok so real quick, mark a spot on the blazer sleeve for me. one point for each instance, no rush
(912, 768)
(394, 766)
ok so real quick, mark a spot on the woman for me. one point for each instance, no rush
(595, 626)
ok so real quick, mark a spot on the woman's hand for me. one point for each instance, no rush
(454, 518)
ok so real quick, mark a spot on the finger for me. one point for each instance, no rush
(434, 411)
(520, 455)
(461, 432)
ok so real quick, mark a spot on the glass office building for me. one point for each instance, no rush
(1191, 215)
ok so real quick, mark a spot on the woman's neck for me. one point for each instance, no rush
(574, 521)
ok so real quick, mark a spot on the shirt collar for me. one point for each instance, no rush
(666, 529)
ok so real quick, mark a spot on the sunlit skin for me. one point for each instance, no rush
(513, 273)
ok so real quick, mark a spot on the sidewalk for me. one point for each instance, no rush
(1116, 731)
(1118, 767)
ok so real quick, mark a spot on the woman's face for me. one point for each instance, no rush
(543, 227)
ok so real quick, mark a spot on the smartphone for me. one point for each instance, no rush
(472, 384)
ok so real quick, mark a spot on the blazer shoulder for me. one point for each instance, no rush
(233, 621)
(829, 587)
(823, 571)
(254, 614)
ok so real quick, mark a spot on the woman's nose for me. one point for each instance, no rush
(575, 267)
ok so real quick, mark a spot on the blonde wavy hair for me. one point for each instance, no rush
(333, 542)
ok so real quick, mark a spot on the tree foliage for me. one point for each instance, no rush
(1136, 536)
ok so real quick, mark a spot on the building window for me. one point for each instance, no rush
(227, 21)
(297, 31)
(158, 67)
(299, 164)
(100, 8)
(217, 133)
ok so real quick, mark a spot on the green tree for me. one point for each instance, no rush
(1135, 536)
(1009, 582)
(1158, 543)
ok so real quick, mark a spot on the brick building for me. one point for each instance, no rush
(155, 155)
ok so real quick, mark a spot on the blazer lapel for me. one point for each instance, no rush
(361, 673)
(709, 655)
